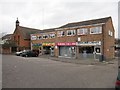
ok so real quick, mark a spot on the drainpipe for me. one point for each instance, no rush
(102, 53)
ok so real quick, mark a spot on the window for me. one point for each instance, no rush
(71, 32)
(110, 33)
(82, 31)
(60, 33)
(52, 35)
(97, 50)
(39, 37)
(46, 36)
(33, 37)
(96, 30)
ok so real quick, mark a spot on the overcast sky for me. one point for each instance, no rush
(42, 14)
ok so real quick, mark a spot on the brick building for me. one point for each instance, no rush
(21, 36)
(6, 44)
(83, 40)
(44, 41)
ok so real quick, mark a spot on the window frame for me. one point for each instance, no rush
(83, 30)
(34, 37)
(96, 28)
(44, 35)
(60, 33)
(52, 35)
(110, 33)
(71, 32)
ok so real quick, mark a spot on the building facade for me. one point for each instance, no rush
(44, 41)
(83, 40)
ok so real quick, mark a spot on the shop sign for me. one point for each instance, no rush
(48, 44)
(66, 44)
(37, 44)
(89, 43)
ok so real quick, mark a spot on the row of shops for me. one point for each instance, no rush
(92, 39)
(70, 49)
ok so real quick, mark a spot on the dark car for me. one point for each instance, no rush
(29, 54)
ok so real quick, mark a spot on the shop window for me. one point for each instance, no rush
(60, 33)
(96, 30)
(82, 31)
(71, 32)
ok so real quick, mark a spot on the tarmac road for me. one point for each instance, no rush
(36, 72)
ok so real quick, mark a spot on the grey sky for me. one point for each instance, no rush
(43, 14)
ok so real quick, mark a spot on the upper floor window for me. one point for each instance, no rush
(46, 36)
(33, 37)
(52, 35)
(110, 33)
(82, 31)
(60, 33)
(71, 32)
(39, 37)
(96, 30)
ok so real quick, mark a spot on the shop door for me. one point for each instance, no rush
(97, 52)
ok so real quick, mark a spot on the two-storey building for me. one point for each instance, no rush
(44, 41)
(84, 40)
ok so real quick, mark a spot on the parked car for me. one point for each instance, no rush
(29, 53)
(19, 53)
(117, 84)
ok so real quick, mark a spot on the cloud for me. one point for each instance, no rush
(48, 14)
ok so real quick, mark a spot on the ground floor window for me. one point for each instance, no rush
(89, 52)
(67, 51)
(87, 49)
(46, 49)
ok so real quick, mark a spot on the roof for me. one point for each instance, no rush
(46, 30)
(8, 36)
(25, 31)
(88, 22)
(49, 30)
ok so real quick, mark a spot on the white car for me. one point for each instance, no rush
(19, 53)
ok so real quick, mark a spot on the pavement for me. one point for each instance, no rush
(80, 61)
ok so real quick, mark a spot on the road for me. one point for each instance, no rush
(36, 72)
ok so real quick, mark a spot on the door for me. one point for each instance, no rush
(97, 52)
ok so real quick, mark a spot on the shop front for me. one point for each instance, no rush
(89, 50)
(37, 47)
(67, 49)
(48, 48)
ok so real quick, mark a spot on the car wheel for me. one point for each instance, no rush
(36, 55)
(26, 55)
